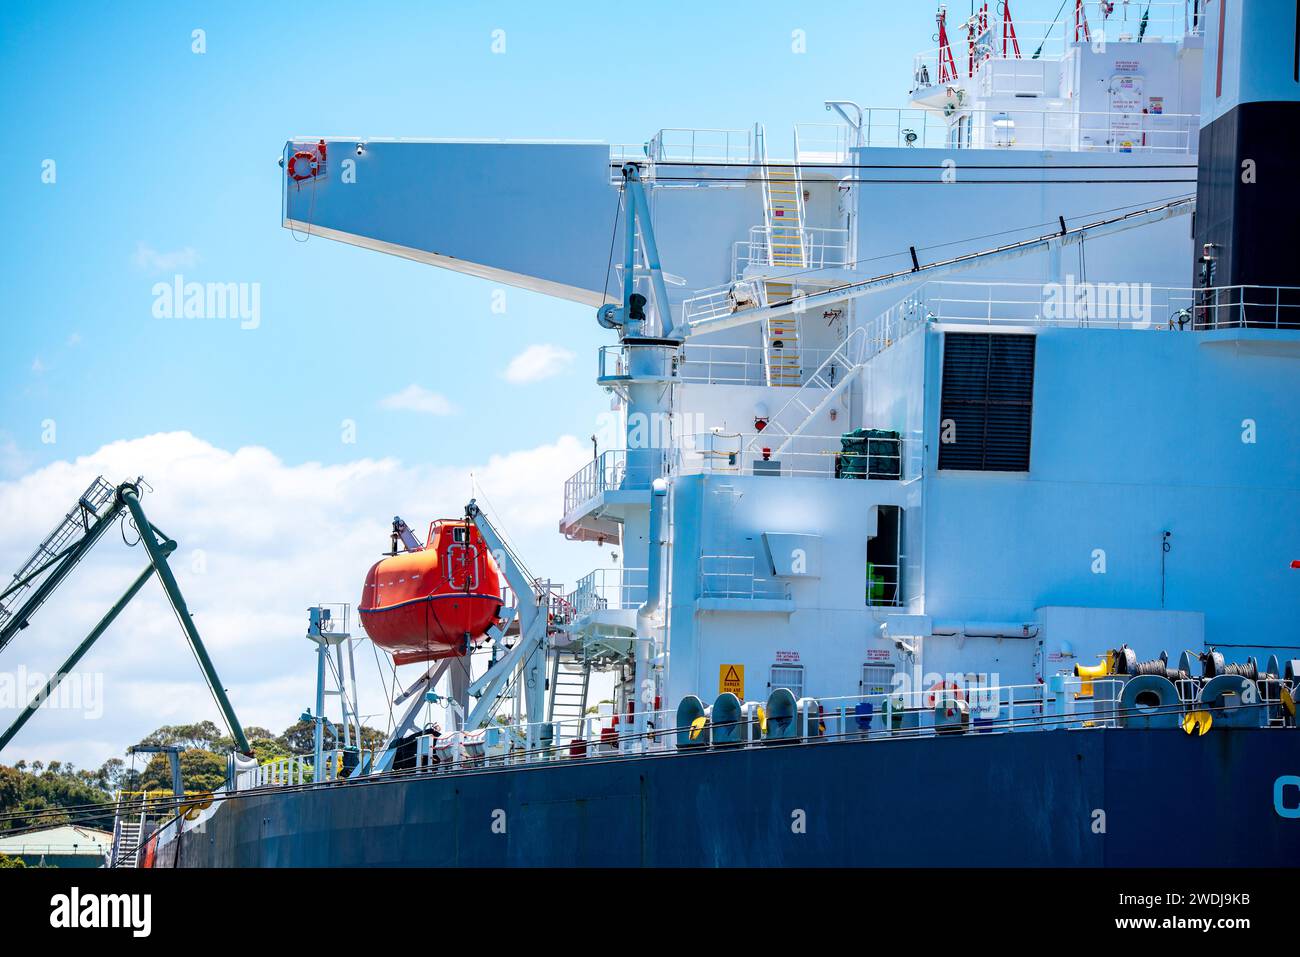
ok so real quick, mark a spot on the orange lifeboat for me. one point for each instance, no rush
(433, 601)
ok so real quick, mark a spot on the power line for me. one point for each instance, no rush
(941, 182)
(839, 166)
(974, 239)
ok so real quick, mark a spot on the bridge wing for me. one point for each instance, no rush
(534, 215)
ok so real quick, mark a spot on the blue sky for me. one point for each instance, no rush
(176, 152)
(162, 148)
(165, 162)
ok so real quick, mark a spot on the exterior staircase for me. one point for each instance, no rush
(126, 840)
(837, 373)
(781, 341)
(570, 677)
(783, 220)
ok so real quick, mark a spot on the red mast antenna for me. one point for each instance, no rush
(1081, 30)
(977, 26)
(984, 27)
(1009, 38)
(970, 46)
(947, 65)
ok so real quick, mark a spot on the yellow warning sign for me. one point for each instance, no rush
(732, 678)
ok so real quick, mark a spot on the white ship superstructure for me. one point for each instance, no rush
(952, 497)
(931, 392)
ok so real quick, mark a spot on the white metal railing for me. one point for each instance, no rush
(884, 585)
(1014, 76)
(591, 736)
(612, 471)
(292, 770)
(824, 143)
(915, 705)
(1239, 307)
(900, 712)
(805, 456)
(821, 248)
(620, 153)
(612, 362)
(1166, 22)
(1108, 305)
(87, 848)
(702, 146)
(609, 589)
(745, 365)
(1110, 132)
(735, 576)
(604, 472)
(721, 364)
(1029, 129)
(723, 300)
(833, 374)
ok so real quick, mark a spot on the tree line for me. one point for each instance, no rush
(48, 794)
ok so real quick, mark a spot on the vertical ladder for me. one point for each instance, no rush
(783, 216)
(570, 677)
(781, 340)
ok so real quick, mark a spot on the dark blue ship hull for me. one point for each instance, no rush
(1123, 798)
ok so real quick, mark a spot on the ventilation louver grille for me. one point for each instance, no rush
(987, 404)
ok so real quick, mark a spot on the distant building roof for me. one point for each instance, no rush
(62, 840)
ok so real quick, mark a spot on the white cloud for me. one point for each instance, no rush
(13, 460)
(259, 541)
(38, 366)
(416, 398)
(151, 260)
(537, 363)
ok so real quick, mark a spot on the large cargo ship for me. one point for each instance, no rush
(955, 491)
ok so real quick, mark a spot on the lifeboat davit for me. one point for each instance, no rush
(433, 601)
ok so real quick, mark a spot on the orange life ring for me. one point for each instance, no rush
(293, 165)
(932, 697)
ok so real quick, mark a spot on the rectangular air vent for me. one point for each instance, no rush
(986, 409)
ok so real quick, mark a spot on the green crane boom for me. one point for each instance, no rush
(59, 563)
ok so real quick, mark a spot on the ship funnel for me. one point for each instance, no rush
(1247, 205)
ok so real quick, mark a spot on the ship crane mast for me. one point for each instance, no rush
(651, 353)
(96, 510)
